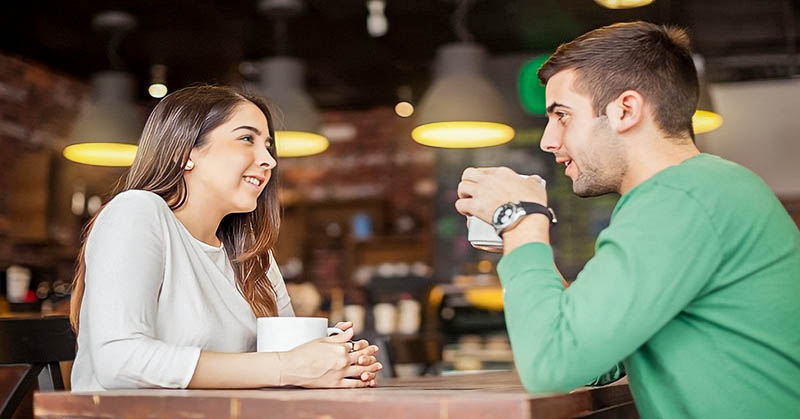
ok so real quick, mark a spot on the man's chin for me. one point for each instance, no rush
(589, 191)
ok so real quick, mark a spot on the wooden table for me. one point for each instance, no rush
(485, 395)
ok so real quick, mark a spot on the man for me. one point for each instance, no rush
(695, 284)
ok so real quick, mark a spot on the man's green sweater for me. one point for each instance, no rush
(694, 287)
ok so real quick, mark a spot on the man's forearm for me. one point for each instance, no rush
(533, 228)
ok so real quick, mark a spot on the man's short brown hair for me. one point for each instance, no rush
(651, 59)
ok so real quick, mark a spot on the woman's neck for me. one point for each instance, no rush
(199, 218)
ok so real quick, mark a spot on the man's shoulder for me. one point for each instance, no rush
(713, 181)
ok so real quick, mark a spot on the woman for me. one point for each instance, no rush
(176, 268)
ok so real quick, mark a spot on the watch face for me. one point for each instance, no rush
(503, 215)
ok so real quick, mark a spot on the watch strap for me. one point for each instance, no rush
(536, 208)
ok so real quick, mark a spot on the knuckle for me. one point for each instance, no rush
(469, 171)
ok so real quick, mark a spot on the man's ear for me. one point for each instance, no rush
(626, 111)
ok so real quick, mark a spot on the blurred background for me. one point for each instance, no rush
(369, 230)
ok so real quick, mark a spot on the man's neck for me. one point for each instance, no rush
(653, 156)
(202, 224)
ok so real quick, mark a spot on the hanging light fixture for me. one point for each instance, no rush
(281, 81)
(622, 4)
(107, 128)
(405, 106)
(704, 118)
(158, 81)
(297, 118)
(462, 109)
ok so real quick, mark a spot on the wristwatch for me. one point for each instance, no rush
(507, 216)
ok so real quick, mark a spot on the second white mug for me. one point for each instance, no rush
(280, 334)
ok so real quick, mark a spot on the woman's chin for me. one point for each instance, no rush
(245, 207)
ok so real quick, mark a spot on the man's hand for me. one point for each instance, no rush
(482, 190)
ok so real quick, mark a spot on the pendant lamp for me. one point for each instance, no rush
(462, 109)
(108, 128)
(108, 125)
(297, 120)
(623, 4)
(704, 118)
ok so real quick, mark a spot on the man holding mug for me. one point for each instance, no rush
(694, 285)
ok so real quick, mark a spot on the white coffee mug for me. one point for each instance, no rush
(280, 334)
(408, 316)
(356, 314)
(18, 280)
(385, 316)
(482, 235)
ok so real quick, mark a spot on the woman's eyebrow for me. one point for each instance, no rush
(247, 127)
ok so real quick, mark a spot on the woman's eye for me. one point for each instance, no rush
(248, 138)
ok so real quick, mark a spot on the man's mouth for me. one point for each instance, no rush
(567, 164)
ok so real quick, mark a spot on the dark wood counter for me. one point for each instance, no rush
(485, 395)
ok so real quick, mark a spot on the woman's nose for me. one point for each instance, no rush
(266, 160)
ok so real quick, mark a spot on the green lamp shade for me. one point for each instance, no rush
(530, 90)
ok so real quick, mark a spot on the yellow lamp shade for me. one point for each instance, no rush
(101, 154)
(488, 298)
(299, 143)
(705, 121)
(623, 4)
(462, 134)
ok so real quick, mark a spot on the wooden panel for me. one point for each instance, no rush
(27, 189)
(488, 395)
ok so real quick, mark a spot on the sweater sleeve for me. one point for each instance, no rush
(656, 256)
(124, 272)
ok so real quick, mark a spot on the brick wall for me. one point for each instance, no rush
(37, 106)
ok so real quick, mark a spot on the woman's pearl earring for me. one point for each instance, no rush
(189, 165)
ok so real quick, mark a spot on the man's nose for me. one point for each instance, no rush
(550, 140)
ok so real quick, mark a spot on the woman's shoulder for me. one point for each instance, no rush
(134, 205)
(133, 215)
(137, 200)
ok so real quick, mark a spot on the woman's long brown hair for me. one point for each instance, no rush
(180, 122)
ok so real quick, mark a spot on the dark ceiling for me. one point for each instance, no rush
(208, 40)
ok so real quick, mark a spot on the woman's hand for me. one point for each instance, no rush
(328, 363)
(359, 345)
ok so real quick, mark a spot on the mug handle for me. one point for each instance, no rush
(334, 331)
